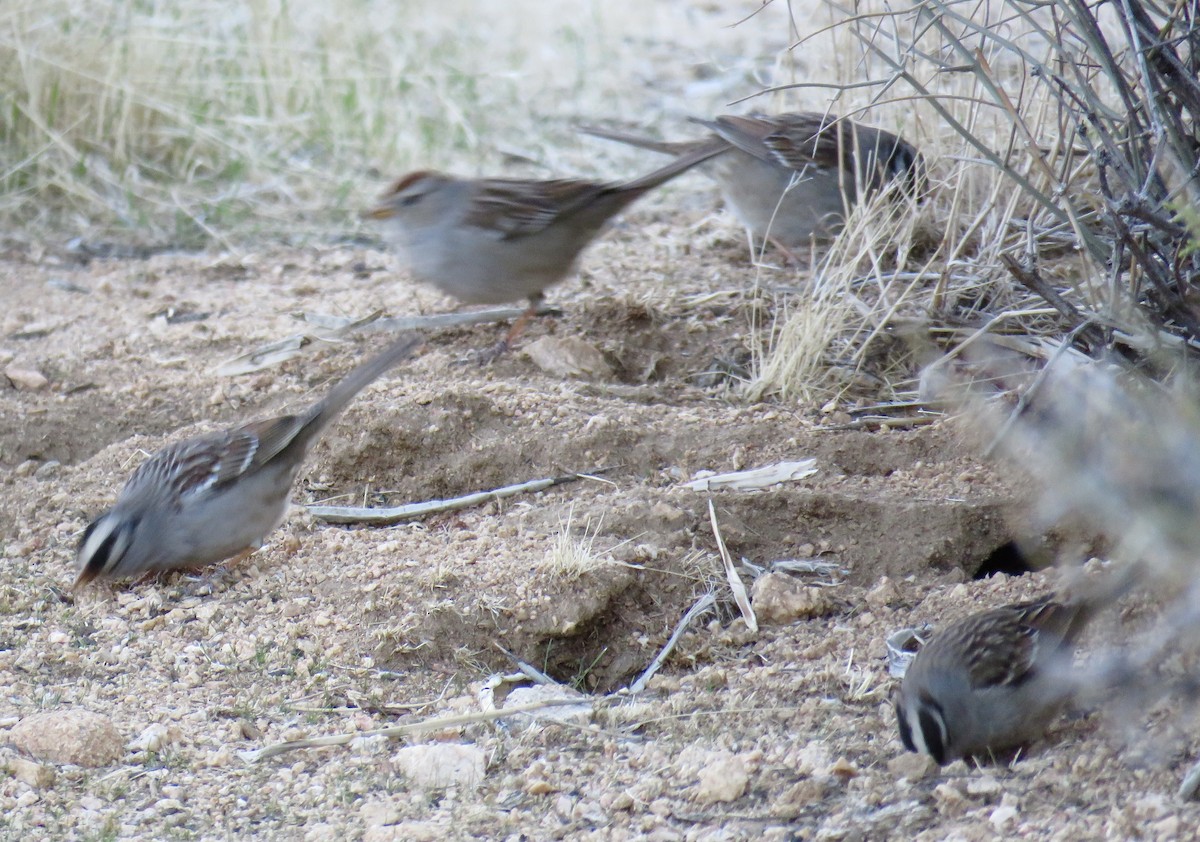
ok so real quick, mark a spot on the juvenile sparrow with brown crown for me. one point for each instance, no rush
(790, 178)
(205, 499)
(998, 678)
(491, 241)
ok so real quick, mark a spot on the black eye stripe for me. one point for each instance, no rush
(99, 560)
(109, 552)
(932, 732)
(87, 533)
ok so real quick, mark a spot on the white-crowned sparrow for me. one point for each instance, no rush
(205, 499)
(789, 178)
(998, 678)
(491, 241)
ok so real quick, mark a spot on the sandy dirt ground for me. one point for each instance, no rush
(782, 734)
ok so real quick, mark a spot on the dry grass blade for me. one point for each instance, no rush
(740, 596)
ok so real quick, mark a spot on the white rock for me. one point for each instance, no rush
(152, 739)
(812, 759)
(779, 599)
(1002, 817)
(569, 357)
(986, 785)
(912, 767)
(374, 744)
(579, 714)
(36, 775)
(441, 765)
(724, 779)
(25, 378)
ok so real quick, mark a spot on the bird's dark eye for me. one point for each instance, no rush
(411, 199)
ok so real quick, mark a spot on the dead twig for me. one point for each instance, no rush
(703, 604)
(382, 516)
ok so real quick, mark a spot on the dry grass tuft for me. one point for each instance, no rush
(1058, 173)
(574, 555)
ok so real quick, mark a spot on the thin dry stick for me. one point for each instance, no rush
(405, 730)
(402, 324)
(528, 670)
(735, 581)
(383, 516)
(275, 353)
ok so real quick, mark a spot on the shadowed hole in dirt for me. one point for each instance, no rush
(1006, 560)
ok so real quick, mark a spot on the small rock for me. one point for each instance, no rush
(620, 801)
(660, 807)
(569, 357)
(812, 759)
(167, 806)
(380, 813)
(72, 736)
(779, 598)
(539, 786)
(579, 714)
(884, 593)
(1168, 828)
(47, 469)
(375, 744)
(322, 832)
(1002, 817)
(950, 800)
(441, 765)
(25, 378)
(843, 769)
(152, 739)
(564, 805)
(913, 767)
(27, 771)
(724, 779)
(799, 796)
(1151, 806)
(986, 786)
